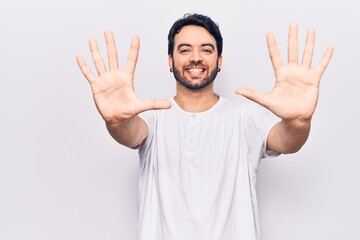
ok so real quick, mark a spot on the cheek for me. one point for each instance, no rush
(180, 59)
(178, 64)
(214, 65)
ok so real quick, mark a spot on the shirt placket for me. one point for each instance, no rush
(192, 140)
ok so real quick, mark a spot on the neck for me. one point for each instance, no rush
(195, 100)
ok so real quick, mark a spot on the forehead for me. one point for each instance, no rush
(193, 35)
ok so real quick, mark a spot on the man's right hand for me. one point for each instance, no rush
(113, 90)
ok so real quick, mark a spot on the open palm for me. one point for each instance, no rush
(113, 89)
(296, 90)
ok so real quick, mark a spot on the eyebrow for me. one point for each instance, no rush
(202, 45)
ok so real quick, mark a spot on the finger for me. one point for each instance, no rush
(155, 104)
(293, 45)
(98, 61)
(111, 51)
(252, 95)
(309, 48)
(84, 69)
(273, 52)
(324, 61)
(133, 55)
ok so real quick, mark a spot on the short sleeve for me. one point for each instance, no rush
(259, 122)
(149, 119)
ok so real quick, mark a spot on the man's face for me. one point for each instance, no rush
(195, 58)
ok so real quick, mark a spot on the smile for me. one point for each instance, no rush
(195, 70)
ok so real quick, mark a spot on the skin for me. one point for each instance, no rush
(293, 98)
(295, 94)
(113, 92)
(194, 45)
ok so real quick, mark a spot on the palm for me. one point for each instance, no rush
(114, 96)
(295, 93)
(113, 90)
(296, 90)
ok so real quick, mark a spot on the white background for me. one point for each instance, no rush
(63, 177)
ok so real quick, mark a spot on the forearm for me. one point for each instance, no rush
(288, 136)
(130, 132)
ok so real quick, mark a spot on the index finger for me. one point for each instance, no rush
(274, 52)
(133, 55)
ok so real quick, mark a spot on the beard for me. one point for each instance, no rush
(189, 84)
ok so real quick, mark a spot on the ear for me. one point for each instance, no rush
(170, 62)
(220, 59)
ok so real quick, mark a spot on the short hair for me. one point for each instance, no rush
(197, 20)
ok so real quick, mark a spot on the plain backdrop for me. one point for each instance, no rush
(63, 177)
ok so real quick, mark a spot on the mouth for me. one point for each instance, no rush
(195, 70)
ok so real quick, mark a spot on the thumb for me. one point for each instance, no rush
(154, 104)
(252, 95)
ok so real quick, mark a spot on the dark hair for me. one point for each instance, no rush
(197, 20)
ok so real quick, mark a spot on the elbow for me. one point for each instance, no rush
(290, 148)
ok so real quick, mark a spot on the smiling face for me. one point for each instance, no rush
(195, 58)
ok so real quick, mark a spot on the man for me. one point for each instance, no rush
(199, 151)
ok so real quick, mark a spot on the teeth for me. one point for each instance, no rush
(195, 70)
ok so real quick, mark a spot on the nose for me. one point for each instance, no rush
(195, 56)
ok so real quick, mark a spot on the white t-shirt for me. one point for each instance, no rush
(198, 172)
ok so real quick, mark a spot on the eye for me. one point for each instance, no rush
(184, 50)
(207, 50)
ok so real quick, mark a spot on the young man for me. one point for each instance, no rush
(199, 151)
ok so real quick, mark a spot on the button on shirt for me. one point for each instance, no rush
(198, 172)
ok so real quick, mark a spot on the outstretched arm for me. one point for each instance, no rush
(113, 92)
(295, 94)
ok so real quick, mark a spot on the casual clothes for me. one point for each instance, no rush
(198, 172)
